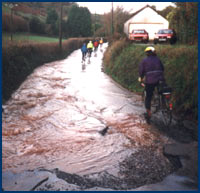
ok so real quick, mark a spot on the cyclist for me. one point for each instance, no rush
(84, 51)
(101, 42)
(152, 69)
(90, 48)
(96, 44)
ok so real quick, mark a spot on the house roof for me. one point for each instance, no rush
(135, 13)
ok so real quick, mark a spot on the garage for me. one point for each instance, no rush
(148, 19)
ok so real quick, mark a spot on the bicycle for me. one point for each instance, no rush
(84, 57)
(101, 47)
(89, 54)
(83, 66)
(161, 101)
(95, 51)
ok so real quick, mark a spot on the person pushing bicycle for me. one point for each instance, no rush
(152, 69)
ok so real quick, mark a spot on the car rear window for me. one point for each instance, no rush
(165, 31)
(139, 31)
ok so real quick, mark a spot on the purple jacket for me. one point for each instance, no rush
(152, 69)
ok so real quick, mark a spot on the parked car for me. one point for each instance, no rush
(165, 35)
(139, 35)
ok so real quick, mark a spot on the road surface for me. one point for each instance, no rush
(52, 123)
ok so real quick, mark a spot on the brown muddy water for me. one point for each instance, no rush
(53, 121)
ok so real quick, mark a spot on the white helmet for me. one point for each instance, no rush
(150, 48)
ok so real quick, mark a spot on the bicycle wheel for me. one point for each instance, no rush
(166, 111)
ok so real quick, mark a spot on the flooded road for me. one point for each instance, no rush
(53, 121)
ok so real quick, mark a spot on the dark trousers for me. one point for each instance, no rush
(89, 52)
(83, 55)
(149, 93)
(95, 49)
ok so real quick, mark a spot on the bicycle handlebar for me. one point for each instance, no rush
(142, 84)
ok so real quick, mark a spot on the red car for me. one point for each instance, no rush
(139, 35)
(165, 35)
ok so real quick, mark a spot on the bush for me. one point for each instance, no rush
(122, 60)
(182, 72)
(36, 26)
(52, 29)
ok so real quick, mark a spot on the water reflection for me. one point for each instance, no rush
(53, 120)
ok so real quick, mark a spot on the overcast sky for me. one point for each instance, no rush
(105, 7)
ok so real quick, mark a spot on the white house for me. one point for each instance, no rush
(148, 19)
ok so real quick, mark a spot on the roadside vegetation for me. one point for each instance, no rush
(121, 62)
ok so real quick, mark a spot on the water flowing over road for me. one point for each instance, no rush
(53, 121)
